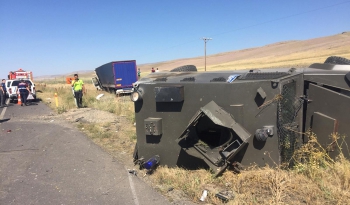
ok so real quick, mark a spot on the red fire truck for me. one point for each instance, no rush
(20, 74)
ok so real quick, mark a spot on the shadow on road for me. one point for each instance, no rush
(32, 103)
(4, 120)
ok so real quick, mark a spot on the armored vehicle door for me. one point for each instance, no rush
(327, 114)
(214, 134)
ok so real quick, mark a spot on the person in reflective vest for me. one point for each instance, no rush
(79, 89)
(23, 90)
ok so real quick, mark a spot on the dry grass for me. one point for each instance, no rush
(299, 59)
(117, 139)
(109, 102)
(315, 179)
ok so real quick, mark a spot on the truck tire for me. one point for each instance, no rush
(185, 68)
(337, 60)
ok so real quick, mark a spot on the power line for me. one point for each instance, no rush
(258, 24)
(205, 51)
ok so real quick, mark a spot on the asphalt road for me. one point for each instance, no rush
(50, 162)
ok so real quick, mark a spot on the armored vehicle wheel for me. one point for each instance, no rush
(337, 60)
(184, 68)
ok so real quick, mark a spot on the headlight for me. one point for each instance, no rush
(135, 96)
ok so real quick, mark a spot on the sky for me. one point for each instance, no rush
(50, 37)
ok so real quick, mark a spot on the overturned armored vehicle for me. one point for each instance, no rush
(219, 118)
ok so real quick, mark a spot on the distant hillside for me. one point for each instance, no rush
(281, 54)
(62, 76)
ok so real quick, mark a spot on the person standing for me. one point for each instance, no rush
(3, 85)
(79, 89)
(2, 95)
(23, 90)
(153, 70)
(157, 70)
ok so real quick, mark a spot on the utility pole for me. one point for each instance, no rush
(205, 52)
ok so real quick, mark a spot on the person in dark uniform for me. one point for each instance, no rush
(3, 99)
(23, 90)
(2, 96)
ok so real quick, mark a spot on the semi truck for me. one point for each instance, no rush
(116, 76)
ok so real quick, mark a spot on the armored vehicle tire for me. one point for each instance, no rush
(184, 68)
(337, 60)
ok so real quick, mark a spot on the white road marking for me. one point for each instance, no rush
(132, 187)
(4, 110)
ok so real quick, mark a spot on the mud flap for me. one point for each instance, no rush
(215, 135)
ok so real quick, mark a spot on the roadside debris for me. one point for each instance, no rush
(99, 96)
(204, 195)
(78, 119)
(152, 163)
(132, 171)
(225, 196)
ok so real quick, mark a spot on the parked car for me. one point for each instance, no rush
(12, 88)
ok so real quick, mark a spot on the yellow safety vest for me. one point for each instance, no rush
(77, 85)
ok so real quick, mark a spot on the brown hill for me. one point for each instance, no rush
(281, 54)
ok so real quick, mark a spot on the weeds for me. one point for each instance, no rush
(109, 102)
(61, 109)
(316, 178)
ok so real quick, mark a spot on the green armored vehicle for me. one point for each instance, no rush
(221, 118)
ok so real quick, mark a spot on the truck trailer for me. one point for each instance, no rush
(116, 76)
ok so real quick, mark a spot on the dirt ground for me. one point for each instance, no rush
(90, 115)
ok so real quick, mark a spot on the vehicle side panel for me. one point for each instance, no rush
(105, 74)
(240, 99)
